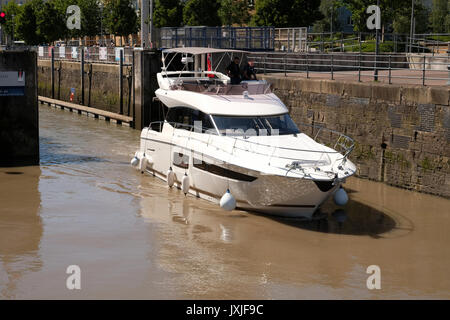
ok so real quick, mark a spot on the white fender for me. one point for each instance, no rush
(170, 177)
(135, 161)
(143, 164)
(185, 184)
(228, 202)
(340, 197)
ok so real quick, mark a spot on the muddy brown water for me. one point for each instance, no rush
(133, 237)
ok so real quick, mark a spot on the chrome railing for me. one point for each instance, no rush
(341, 144)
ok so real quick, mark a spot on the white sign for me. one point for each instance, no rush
(103, 53)
(74, 52)
(12, 83)
(374, 21)
(62, 52)
(41, 51)
(118, 53)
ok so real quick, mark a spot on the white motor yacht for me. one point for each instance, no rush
(236, 145)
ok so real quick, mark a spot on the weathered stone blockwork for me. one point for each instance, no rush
(402, 134)
(101, 80)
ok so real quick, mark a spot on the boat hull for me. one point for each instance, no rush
(209, 179)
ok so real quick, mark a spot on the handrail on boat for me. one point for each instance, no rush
(343, 141)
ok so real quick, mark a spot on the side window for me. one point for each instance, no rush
(179, 117)
(186, 118)
(203, 119)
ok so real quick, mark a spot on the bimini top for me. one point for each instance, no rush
(200, 50)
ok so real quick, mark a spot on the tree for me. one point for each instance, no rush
(329, 10)
(201, 13)
(440, 16)
(395, 13)
(234, 11)
(286, 13)
(11, 9)
(402, 20)
(120, 17)
(168, 13)
(90, 17)
(27, 24)
(50, 22)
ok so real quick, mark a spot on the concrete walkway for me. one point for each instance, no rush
(414, 77)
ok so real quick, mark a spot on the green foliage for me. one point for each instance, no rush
(120, 17)
(51, 22)
(201, 13)
(168, 13)
(440, 16)
(234, 12)
(402, 20)
(394, 13)
(27, 23)
(90, 18)
(11, 9)
(286, 13)
(328, 8)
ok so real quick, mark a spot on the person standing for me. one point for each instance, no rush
(234, 72)
(249, 72)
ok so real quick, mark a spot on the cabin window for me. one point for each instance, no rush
(189, 119)
(180, 160)
(256, 126)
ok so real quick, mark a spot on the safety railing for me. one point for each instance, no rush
(338, 142)
(412, 68)
(95, 54)
(248, 38)
(299, 40)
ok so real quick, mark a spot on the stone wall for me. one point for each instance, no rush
(402, 133)
(101, 84)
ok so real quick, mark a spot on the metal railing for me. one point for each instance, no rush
(298, 40)
(342, 144)
(421, 68)
(246, 38)
(94, 54)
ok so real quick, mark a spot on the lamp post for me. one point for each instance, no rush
(377, 47)
(411, 29)
(12, 33)
(101, 23)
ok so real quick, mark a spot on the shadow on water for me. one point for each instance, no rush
(52, 153)
(355, 219)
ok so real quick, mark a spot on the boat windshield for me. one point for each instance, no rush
(256, 126)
